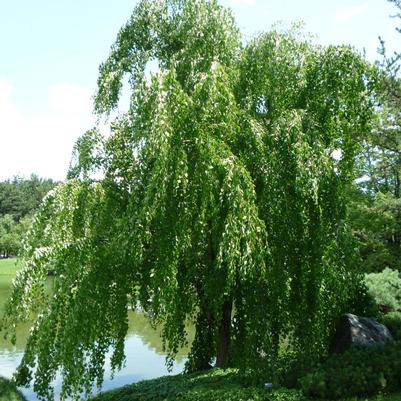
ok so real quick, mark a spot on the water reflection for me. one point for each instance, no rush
(143, 349)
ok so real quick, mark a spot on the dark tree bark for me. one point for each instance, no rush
(223, 345)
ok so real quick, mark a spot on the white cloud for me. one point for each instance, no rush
(42, 142)
(5, 93)
(243, 2)
(346, 14)
(69, 98)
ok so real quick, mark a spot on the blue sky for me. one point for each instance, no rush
(50, 51)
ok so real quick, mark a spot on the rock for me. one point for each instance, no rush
(362, 331)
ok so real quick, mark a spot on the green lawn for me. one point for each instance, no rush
(9, 266)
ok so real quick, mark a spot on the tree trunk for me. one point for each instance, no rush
(203, 346)
(397, 189)
(223, 345)
(397, 193)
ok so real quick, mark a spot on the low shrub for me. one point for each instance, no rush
(393, 321)
(291, 368)
(358, 372)
(363, 302)
(385, 287)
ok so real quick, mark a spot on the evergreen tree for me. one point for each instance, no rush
(375, 208)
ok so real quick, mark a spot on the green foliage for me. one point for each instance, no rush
(383, 397)
(385, 287)
(10, 241)
(358, 372)
(375, 212)
(362, 302)
(12, 234)
(215, 385)
(391, 63)
(19, 199)
(375, 224)
(9, 392)
(393, 321)
(375, 205)
(219, 202)
(290, 369)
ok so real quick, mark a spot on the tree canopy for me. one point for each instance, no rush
(220, 201)
(19, 199)
(375, 208)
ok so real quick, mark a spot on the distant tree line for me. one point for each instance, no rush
(19, 199)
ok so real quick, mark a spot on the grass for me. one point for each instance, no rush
(215, 385)
(9, 266)
(8, 391)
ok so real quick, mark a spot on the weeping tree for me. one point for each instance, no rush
(219, 201)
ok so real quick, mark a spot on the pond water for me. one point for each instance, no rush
(145, 358)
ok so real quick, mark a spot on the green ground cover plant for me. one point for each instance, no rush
(215, 385)
(9, 392)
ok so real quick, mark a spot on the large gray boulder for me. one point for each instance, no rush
(355, 330)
